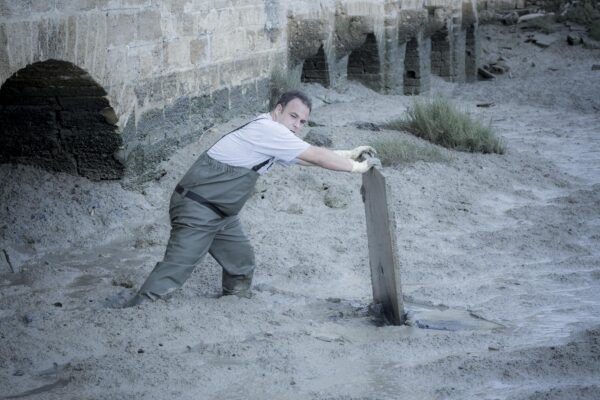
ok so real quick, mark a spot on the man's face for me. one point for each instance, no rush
(293, 116)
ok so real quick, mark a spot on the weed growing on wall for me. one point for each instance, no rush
(440, 122)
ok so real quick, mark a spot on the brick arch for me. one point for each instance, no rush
(364, 64)
(316, 69)
(55, 116)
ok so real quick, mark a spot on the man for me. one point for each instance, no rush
(205, 203)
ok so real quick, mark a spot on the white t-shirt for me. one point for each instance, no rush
(257, 142)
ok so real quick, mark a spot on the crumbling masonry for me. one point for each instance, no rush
(108, 88)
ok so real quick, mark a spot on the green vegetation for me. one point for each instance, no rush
(400, 151)
(440, 122)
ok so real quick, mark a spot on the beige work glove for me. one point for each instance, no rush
(356, 153)
(364, 166)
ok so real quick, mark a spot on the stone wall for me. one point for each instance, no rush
(163, 72)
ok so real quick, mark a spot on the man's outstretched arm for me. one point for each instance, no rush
(329, 159)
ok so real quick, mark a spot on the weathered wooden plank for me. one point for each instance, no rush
(383, 251)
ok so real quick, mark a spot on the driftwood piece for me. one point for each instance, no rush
(383, 252)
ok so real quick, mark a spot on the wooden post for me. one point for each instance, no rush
(383, 252)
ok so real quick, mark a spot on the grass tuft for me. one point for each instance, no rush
(402, 151)
(440, 122)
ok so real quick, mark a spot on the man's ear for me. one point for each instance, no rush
(278, 109)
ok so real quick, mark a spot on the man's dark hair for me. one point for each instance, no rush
(294, 94)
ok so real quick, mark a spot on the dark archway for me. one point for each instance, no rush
(55, 116)
(412, 68)
(364, 64)
(316, 69)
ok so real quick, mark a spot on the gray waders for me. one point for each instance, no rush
(203, 211)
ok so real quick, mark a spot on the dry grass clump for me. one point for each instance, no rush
(402, 151)
(440, 122)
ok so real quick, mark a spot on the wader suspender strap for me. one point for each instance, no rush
(199, 199)
(257, 166)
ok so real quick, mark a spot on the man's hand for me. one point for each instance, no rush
(364, 166)
(357, 152)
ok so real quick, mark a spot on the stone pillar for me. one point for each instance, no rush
(392, 64)
(470, 25)
(417, 65)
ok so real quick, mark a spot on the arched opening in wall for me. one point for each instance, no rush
(315, 69)
(471, 54)
(55, 116)
(412, 68)
(364, 64)
(441, 54)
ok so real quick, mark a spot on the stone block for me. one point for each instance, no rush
(220, 105)
(169, 86)
(148, 25)
(83, 25)
(42, 6)
(177, 53)
(243, 100)
(121, 29)
(146, 60)
(201, 113)
(116, 63)
(57, 35)
(4, 60)
(150, 126)
(177, 118)
(13, 9)
(187, 24)
(199, 51)
(227, 74)
(69, 6)
(71, 40)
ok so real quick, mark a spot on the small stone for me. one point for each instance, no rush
(574, 39)
(596, 67)
(140, 351)
(367, 126)
(57, 304)
(19, 372)
(27, 319)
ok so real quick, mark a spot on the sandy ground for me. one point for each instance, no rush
(501, 251)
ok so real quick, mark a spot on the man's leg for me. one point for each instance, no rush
(233, 251)
(193, 228)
